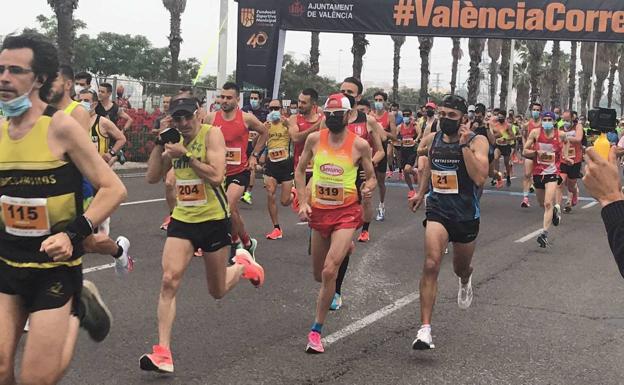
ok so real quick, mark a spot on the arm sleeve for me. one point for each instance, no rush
(613, 217)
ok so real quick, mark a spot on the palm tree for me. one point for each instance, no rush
(587, 60)
(536, 53)
(398, 43)
(572, 76)
(315, 53)
(621, 72)
(475, 49)
(555, 74)
(426, 43)
(602, 71)
(358, 50)
(494, 51)
(614, 56)
(504, 71)
(457, 55)
(522, 84)
(176, 9)
(64, 11)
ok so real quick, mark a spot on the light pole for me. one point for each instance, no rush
(340, 64)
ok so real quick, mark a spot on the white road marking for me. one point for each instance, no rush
(98, 268)
(142, 202)
(529, 236)
(371, 318)
(590, 205)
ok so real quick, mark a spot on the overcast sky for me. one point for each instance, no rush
(200, 24)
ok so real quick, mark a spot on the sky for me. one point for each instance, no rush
(200, 25)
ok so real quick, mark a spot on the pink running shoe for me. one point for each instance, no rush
(253, 271)
(159, 361)
(315, 346)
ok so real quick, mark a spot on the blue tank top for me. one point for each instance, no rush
(452, 194)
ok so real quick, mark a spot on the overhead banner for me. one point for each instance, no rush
(574, 20)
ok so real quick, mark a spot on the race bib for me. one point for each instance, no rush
(444, 182)
(191, 192)
(233, 156)
(409, 142)
(546, 158)
(253, 135)
(329, 194)
(278, 154)
(25, 217)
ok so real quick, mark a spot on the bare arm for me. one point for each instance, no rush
(529, 151)
(374, 129)
(129, 120)
(300, 136)
(213, 171)
(426, 172)
(157, 165)
(394, 130)
(300, 172)
(82, 117)
(367, 165)
(255, 125)
(476, 160)
(423, 147)
(110, 129)
(578, 136)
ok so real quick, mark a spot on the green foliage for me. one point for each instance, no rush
(298, 75)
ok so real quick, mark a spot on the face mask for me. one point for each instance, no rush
(18, 106)
(567, 125)
(407, 120)
(86, 105)
(471, 115)
(449, 127)
(275, 116)
(335, 124)
(294, 111)
(548, 126)
(379, 106)
(78, 88)
(217, 106)
(501, 119)
(535, 114)
(479, 119)
(556, 116)
(254, 104)
(430, 113)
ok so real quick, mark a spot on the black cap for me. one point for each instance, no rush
(455, 102)
(480, 107)
(183, 106)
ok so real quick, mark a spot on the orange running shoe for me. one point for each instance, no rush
(275, 234)
(411, 194)
(364, 236)
(159, 361)
(294, 205)
(253, 271)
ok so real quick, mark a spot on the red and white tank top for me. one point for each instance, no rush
(575, 151)
(408, 135)
(303, 125)
(550, 159)
(236, 136)
(360, 128)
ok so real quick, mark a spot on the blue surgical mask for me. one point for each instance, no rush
(407, 121)
(16, 107)
(216, 107)
(86, 105)
(379, 106)
(548, 126)
(254, 103)
(294, 111)
(275, 116)
(535, 114)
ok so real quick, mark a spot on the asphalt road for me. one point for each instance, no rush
(551, 316)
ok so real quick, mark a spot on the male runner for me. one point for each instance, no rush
(236, 125)
(388, 123)
(200, 222)
(109, 109)
(60, 96)
(527, 181)
(548, 146)
(457, 165)
(503, 133)
(428, 125)
(164, 121)
(571, 172)
(43, 156)
(307, 121)
(334, 212)
(278, 168)
(409, 131)
(256, 108)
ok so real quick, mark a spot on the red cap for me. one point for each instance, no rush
(431, 104)
(338, 101)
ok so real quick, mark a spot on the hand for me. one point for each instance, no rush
(165, 123)
(58, 247)
(174, 150)
(107, 157)
(304, 211)
(367, 192)
(253, 162)
(465, 134)
(601, 177)
(415, 202)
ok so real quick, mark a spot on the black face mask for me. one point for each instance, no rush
(501, 119)
(335, 123)
(430, 113)
(479, 119)
(448, 126)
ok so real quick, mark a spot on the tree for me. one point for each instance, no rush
(504, 71)
(572, 75)
(536, 53)
(587, 60)
(358, 50)
(315, 53)
(602, 71)
(426, 43)
(555, 74)
(64, 11)
(457, 55)
(614, 55)
(494, 51)
(398, 43)
(475, 49)
(297, 75)
(522, 84)
(175, 8)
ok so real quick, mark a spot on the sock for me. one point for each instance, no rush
(342, 271)
(365, 227)
(426, 326)
(277, 227)
(317, 327)
(119, 252)
(381, 205)
(246, 240)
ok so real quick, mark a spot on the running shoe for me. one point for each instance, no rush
(493, 182)
(499, 181)
(411, 194)
(508, 182)
(275, 234)
(542, 240)
(464, 295)
(525, 203)
(532, 189)
(96, 319)
(252, 247)
(247, 198)
(165, 224)
(159, 361)
(568, 207)
(556, 220)
(253, 271)
(364, 236)
(336, 302)
(389, 174)
(315, 345)
(423, 340)
(125, 263)
(381, 214)
(294, 205)
(121, 157)
(574, 199)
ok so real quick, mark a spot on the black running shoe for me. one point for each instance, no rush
(556, 220)
(97, 318)
(542, 240)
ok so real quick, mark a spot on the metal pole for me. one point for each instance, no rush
(512, 60)
(222, 60)
(593, 81)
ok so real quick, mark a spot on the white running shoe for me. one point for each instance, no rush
(423, 340)
(125, 263)
(464, 295)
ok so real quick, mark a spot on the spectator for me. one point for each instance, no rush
(122, 101)
(255, 106)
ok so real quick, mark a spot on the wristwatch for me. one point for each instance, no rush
(256, 155)
(112, 153)
(187, 157)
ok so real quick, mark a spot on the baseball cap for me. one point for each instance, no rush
(183, 106)
(471, 108)
(549, 114)
(431, 105)
(455, 102)
(338, 102)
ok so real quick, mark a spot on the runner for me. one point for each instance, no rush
(60, 97)
(236, 125)
(163, 122)
(409, 131)
(549, 147)
(334, 212)
(278, 169)
(457, 165)
(256, 108)
(504, 138)
(428, 125)
(41, 264)
(480, 127)
(388, 123)
(82, 81)
(570, 172)
(307, 121)
(527, 182)
(200, 223)
(109, 109)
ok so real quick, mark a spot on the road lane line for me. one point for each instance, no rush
(529, 236)
(371, 318)
(590, 205)
(142, 202)
(98, 268)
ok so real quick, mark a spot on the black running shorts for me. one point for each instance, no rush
(408, 156)
(540, 181)
(504, 150)
(573, 171)
(209, 236)
(280, 171)
(241, 179)
(459, 232)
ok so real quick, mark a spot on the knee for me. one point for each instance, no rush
(170, 282)
(407, 169)
(329, 273)
(547, 205)
(432, 266)
(216, 292)
(285, 202)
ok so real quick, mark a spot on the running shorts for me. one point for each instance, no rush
(573, 171)
(459, 232)
(209, 236)
(280, 171)
(241, 179)
(540, 181)
(382, 167)
(408, 157)
(326, 221)
(504, 150)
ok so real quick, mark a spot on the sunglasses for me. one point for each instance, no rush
(275, 108)
(338, 114)
(179, 118)
(15, 70)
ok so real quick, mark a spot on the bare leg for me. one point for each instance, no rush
(12, 320)
(408, 172)
(234, 193)
(286, 195)
(436, 241)
(462, 259)
(270, 184)
(170, 192)
(221, 279)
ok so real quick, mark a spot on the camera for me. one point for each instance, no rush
(170, 135)
(602, 119)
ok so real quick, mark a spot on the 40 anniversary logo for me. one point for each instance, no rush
(258, 39)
